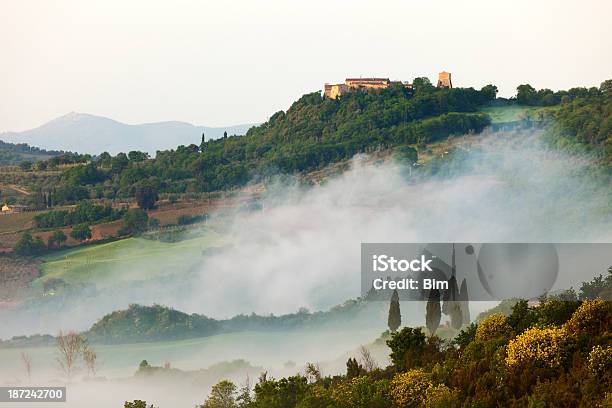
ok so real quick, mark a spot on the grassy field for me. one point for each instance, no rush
(125, 260)
(512, 113)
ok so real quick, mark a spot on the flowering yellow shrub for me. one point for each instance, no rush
(590, 317)
(536, 346)
(492, 327)
(408, 389)
(600, 360)
(439, 396)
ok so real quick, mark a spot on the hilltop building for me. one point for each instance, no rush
(332, 91)
(444, 80)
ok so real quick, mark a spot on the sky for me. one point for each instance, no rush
(219, 63)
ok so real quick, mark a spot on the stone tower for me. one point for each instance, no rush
(444, 80)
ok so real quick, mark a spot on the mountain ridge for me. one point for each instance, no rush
(88, 133)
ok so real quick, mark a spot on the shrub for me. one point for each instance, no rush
(408, 389)
(558, 309)
(361, 392)
(592, 317)
(81, 232)
(440, 396)
(537, 347)
(600, 360)
(492, 327)
(134, 222)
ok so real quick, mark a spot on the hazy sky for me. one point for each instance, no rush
(226, 62)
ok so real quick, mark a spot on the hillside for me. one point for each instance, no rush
(11, 154)
(140, 323)
(92, 134)
(313, 133)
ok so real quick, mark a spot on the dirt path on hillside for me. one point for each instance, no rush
(16, 188)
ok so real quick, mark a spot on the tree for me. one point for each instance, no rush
(28, 246)
(368, 362)
(105, 159)
(395, 317)
(406, 347)
(137, 404)
(81, 232)
(452, 304)
(606, 88)
(489, 93)
(222, 395)
(313, 372)
(58, 237)
(90, 357)
(119, 163)
(135, 221)
(25, 165)
(434, 311)
(353, 368)
(146, 195)
(137, 156)
(69, 346)
(244, 395)
(422, 84)
(465, 336)
(526, 95)
(406, 154)
(522, 317)
(27, 365)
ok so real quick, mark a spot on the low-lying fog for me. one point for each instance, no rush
(302, 250)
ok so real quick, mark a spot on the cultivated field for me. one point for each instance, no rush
(125, 260)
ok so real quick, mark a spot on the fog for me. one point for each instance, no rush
(302, 249)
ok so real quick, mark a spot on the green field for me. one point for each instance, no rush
(512, 113)
(131, 259)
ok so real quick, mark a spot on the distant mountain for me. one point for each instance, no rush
(84, 133)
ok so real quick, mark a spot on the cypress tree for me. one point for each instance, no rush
(395, 317)
(464, 297)
(434, 311)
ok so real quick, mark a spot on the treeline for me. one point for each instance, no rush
(140, 323)
(16, 153)
(313, 133)
(84, 213)
(529, 96)
(586, 121)
(11, 153)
